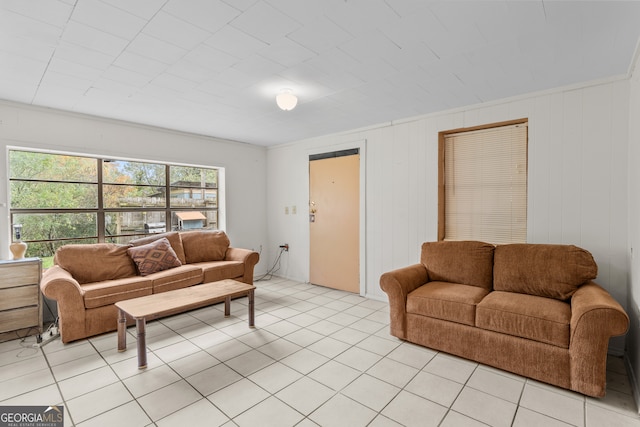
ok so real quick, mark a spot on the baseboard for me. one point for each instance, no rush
(615, 351)
(634, 381)
(376, 297)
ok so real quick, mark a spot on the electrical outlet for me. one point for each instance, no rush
(285, 247)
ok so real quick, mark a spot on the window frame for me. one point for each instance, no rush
(441, 165)
(101, 211)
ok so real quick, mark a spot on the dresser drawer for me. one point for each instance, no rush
(11, 275)
(19, 318)
(20, 296)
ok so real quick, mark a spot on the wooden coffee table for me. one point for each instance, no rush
(166, 303)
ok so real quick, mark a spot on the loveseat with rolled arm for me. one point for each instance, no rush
(87, 280)
(530, 309)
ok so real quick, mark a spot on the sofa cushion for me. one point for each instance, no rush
(554, 271)
(467, 262)
(153, 257)
(537, 318)
(176, 278)
(446, 301)
(111, 291)
(95, 262)
(202, 246)
(173, 237)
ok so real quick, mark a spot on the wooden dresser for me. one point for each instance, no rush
(20, 298)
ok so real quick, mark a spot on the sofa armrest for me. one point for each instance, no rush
(58, 284)
(248, 257)
(398, 284)
(595, 317)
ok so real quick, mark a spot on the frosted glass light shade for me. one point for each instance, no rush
(286, 100)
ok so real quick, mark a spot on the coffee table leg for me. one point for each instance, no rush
(227, 307)
(251, 309)
(142, 344)
(122, 331)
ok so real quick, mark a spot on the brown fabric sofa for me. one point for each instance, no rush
(87, 280)
(530, 309)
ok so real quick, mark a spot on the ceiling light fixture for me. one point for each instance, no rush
(286, 100)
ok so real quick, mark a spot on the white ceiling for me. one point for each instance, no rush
(213, 67)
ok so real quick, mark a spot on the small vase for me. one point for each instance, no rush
(18, 249)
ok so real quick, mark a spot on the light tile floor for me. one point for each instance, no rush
(317, 357)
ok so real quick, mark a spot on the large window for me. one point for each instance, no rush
(483, 184)
(59, 199)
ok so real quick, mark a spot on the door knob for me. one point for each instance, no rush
(312, 211)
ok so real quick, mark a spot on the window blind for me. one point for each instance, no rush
(485, 185)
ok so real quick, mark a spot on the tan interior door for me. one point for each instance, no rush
(334, 222)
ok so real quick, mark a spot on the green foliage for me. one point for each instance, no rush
(75, 187)
(136, 173)
(199, 176)
(52, 167)
(47, 262)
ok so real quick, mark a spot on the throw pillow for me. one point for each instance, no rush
(172, 236)
(153, 257)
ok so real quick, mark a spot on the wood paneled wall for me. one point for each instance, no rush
(578, 181)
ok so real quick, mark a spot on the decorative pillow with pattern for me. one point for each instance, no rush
(153, 257)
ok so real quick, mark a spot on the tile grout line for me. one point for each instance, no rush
(64, 401)
(368, 336)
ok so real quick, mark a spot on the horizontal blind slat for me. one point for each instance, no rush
(486, 185)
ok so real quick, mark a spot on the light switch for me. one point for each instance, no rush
(294, 210)
(286, 210)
